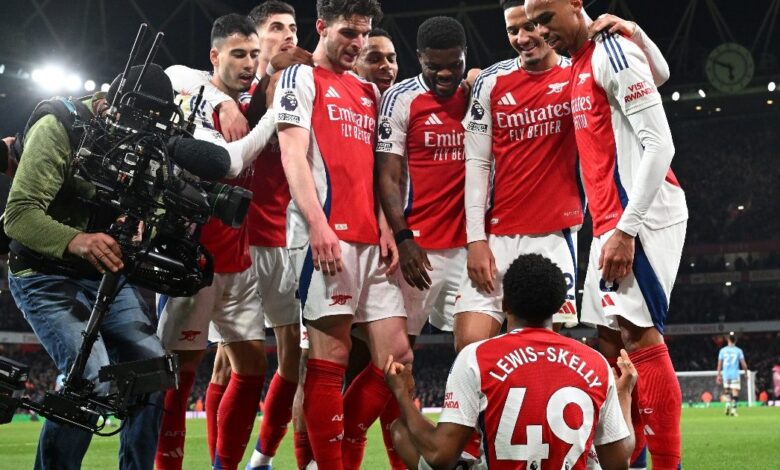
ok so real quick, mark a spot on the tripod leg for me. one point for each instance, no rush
(105, 296)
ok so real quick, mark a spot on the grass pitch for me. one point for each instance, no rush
(711, 441)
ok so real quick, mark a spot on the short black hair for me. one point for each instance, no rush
(440, 32)
(534, 288)
(507, 4)
(233, 23)
(331, 10)
(260, 13)
(379, 33)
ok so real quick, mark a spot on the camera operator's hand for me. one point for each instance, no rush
(99, 249)
(233, 124)
(11, 162)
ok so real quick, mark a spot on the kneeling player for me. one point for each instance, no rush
(558, 394)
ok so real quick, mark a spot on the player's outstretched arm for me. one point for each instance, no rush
(244, 150)
(418, 438)
(616, 25)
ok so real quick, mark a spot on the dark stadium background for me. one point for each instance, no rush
(727, 144)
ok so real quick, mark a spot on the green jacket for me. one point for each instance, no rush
(43, 212)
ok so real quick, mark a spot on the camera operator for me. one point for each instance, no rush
(47, 217)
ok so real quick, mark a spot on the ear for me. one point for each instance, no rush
(321, 26)
(576, 5)
(214, 56)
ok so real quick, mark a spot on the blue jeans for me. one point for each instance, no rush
(57, 309)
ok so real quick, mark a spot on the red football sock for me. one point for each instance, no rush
(390, 414)
(170, 446)
(364, 401)
(660, 404)
(214, 394)
(323, 410)
(303, 454)
(237, 413)
(636, 420)
(277, 413)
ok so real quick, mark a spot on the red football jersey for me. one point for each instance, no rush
(228, 246)
(340, 110)
(270, 198)
(428, 131)
(541, 400)
(612, 80)
(525, 119)
(270, 192)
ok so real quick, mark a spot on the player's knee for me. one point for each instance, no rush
(247, 357)
(464, 338)
(404, 357)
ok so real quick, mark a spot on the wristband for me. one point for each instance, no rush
(402, 235)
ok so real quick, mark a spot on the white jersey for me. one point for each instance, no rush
(540, 385)
(623, 138)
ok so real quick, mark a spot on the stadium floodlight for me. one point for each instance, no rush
(51, 78)
(90, 85)
(105, 87)
(676, 96)
(770, 101)
(73, 82)
(717, 110)
(2, 69)
(771, 86)
(702, 93)
(698, 108)
(728, 284)
(740, 208)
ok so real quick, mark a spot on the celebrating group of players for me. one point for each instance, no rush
(380, 206)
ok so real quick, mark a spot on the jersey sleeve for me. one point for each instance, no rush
(479, 118)
(658, 65)
(242, 151)
(463, 398)
(721, 356)
(479, 157)
(188, 81)
(611, 426)
(622, 70)
(393, 121)
(294, 96)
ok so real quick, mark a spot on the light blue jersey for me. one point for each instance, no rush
(731, 357)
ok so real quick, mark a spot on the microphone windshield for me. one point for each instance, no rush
(201, 158)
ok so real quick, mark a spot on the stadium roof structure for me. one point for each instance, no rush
(96, 34)
(93, 37)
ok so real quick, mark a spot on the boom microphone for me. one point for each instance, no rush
(201, 158)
